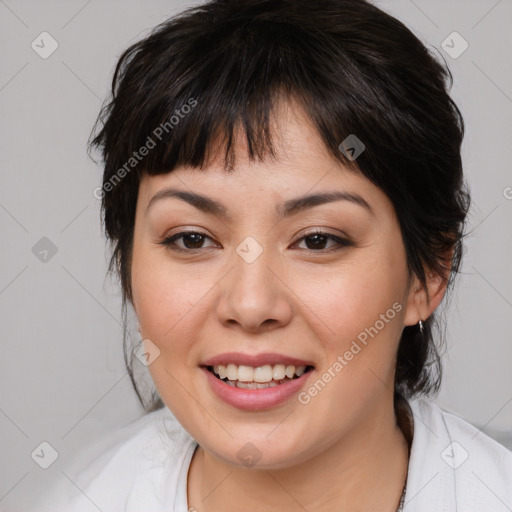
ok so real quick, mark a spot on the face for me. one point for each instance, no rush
(266, 288)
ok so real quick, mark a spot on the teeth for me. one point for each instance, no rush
(290, 371)
(255, 385)
(255, 378)
(246, 374)
(279, 371)
(300, 370)
(261, 374)
(220, 371)
(232, 372)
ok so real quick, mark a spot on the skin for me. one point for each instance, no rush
(295, 299)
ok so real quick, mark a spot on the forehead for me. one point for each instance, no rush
(302, 166)
(301, 159)
(259, 189)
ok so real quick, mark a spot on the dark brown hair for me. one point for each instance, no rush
(354, 69)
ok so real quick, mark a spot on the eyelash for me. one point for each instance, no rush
(169, 242)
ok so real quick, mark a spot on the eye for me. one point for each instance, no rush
(192, 241)
(317, 241)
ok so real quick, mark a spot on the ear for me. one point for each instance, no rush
(421, 302)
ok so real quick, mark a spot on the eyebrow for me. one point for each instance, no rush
(286, 209)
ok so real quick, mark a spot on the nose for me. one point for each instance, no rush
(254, 296)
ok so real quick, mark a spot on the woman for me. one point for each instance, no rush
(283, 190)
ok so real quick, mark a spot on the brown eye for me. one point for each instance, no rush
(191, 241)
(317, 241)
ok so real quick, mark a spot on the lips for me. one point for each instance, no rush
(247, 382)
(255, 360)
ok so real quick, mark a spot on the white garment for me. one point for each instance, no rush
(146, 466)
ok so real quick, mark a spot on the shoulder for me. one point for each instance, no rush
(136, 467)
(455, 466)
(468, 441)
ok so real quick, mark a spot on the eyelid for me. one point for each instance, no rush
(322, 231)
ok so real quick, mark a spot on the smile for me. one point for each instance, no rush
(260, 377)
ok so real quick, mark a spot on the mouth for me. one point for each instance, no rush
(259, 377)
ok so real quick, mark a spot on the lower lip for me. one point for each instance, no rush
(255, 399)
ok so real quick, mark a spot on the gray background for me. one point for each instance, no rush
(62, 374)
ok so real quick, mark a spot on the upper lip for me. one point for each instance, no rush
(255, 360)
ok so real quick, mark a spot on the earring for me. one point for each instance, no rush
(420, 323)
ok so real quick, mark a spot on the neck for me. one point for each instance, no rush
(365, 470)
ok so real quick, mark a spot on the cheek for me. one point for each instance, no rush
(356, 296)
(166, 299)
(168, 305)
(162, 292)
(357, 308)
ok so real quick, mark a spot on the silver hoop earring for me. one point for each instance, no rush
(420, 323)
